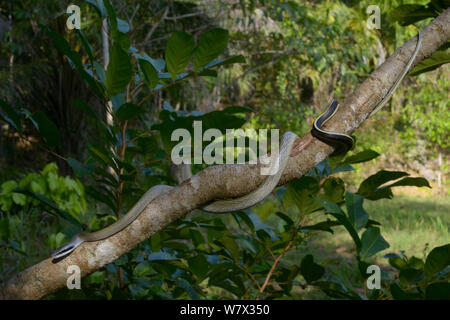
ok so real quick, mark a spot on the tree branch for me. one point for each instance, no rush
(224, 181)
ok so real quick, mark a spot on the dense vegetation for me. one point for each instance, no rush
(81, 143)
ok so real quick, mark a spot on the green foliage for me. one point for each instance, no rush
(248, 254)
(68, 194)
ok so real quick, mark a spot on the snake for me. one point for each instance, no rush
(339, 141)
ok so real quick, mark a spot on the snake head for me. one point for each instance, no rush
(66, 249)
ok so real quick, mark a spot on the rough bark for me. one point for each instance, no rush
(225, 180)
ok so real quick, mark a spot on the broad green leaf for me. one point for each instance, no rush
(183, 283)
(336, 211)
(210, 45)
(128, 111)
(286, 218)
(86, 45)
(150, 73)
(438, 291)
(411, 181)
(104, 156)
(99, 7)
(199, 265)
(86, 108)
(122, 26)
(12, 117)
(119, 71)
(230, 244)
(334, 289)
(227, 61)
(437, 259)
(438, 58)
(179, 50)
(79, 168)
(356, 213)
(372, 242)
(144, 268)
(47, 129)
(310, 270)
(399, 294)
(299, 193)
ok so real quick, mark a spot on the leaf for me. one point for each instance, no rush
(438, 58)
(335, 289)
(299, 193)
(286, 218)
(56, 211)
(333, 190)
(12, 118)
(362, 156)
(183, 283)
(150, 73)
(411, 181)
(356, 213)
(310, 270)
(337, 212)
(399, 294)
(230, 244)
(128, 111)
(222, 62)
(119, 71)
(122, 26)
(79, 168)
(410, 13)
(372, 242)
(179, 50)
(47, 129)
(86, 45)
(398, 263)
(99, 7)
(210, 45)
(238, 109)
(322, 226)
(143, 268)
(437, 259)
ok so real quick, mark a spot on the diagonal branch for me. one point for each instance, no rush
(224, 181)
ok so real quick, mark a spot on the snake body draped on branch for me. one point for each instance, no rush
(341, 143)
